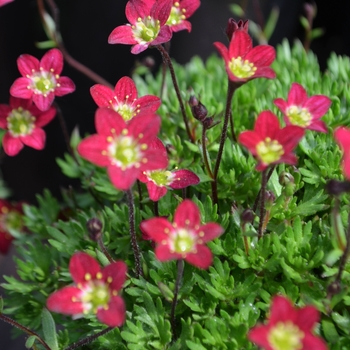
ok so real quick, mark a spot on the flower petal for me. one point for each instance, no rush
(187, 215)
(114, 316)
(122, 179)
(297, 95)
(19, 88)
(44, 118)
(318, 105)
(267, 125)
(43, 102)
(307, 318)
(36, 139)
(155, 192)
(102, 95)
(125, 90)
(52, 61)
(157, 229)
(108, 122)
(91, 149)
(240, 44)
(183, 178)
(27, 64)
(12, 145)
(211, 230)
(282, 310)
(62, 301)
(115, 275)
(163, 253)
(122, 35)
(202, 258)
(66, 86)
(260, 56)
(83, 267)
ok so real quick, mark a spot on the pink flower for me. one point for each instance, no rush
(123, 148)
(96, 291)
(4, 2)
(243, 62)
(11, 219)
(23, 122)
(269, 143)
(342, 136)
(303, 111)
(147, 25)
(288, 328)
(41, 81)
(124, 99)
(183, 239)
(180, 11)
(158, 181)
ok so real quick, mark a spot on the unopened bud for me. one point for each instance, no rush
(336, 187)
(208, 122)
(270, 199)
(334, 288)
(247, 216)
(198, 109)
(94, 227)
(233, 26)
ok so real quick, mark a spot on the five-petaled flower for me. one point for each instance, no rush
(123, 147)
(242, 61)
(41, 80)
(96, 291)
(23, 122)
(269, 143)
(180, 11)
(11, 221)
(303, 111)
(147, 25)
(124, 99)
(288, 328)
(185, 238)
(158, 181)
(342, 136)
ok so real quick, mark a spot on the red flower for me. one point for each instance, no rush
(123, 148)
(243, 62)
(23, 122)
(124, 99)
(269, 143)
(303, 111)
(180, 11)
(233, 26)
(11, 220)
(185, 238)
(342, 136)
(158, 180)
(4, 2)
(95, 292)
(41, 81)
(288, 328)
(147, 25)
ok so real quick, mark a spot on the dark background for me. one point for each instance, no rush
(85, 26)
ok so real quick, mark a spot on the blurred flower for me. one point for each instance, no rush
(269, 143)
(147, 25)
(123, 148)
(4, 2)
(96, 291)
(124, 99)
(180, 11)
(288, 328)
(11, 219)
(303, 111)
(183, 239)
(342, 136)
(41, 81)
(243, 62)
(23, 122)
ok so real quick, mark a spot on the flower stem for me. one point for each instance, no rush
(24, 329)
(167, 60)
(56, 36)
(230, 91)
(156, 209)
(134, 244)
(167, 48)
(255, 205)
(262, 203)
(104, 250)
(88, 339)
(180, 271)
(205, 153)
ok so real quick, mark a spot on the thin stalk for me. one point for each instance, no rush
(24, 329)
(255, 205)
(134, 244)
(58, 40)
(167, 60)
(162, 87)
(262, 203)
(335, 213)
(230, 91)
(88, 339)
(234, 138)
(104, 250)
(156, 208)
(180, 271)
(205, 153)
(139, 189)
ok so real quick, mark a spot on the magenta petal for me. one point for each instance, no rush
(91, 149)
(187, 215)
(114, 316)
(122, 179)
(117, 272)
(5, 110)
(163, 253)
(61, 301)
(137, 8)
(281, 104)
(222, 50)
(289, 137)
(318, 125)
(318, 105)
(36, 139)
(297, 95)
(125, 90)
(282, 310)
(102, 95)
(164, 35)
(27, 64)
(190, 6)
(258, 335)
(155, 192)
(249, 139)
(122, 35)
(52, 61)
(157, 229)
(15, 103)
(240, 44)
(161, 11)
(42, 102)
(155, 160)
(184, 25)
(267, 125)
(311, 342)
(138, 48)
(202, 258)
(147, 126)
(211, 231)
(12, 145)
(44, 118)
(307, 317)
(265, 72)
(261, 56)
(183, 178)
(148, 103)
(66, 86)
(108, 122)
(82, 264)
(20, 89)
(342, 136)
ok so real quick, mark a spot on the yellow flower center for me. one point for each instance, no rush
(96, 296)
(20, 122)
(241, 69)
(146, 30)
(269, 151)
(184, 242)
(299, 116)
(285, 336)
(176, 16)
(159, 177)
(44, 82)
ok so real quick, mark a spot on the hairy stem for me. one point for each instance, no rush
(88, 339)
(134, 244)
(262, 203)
